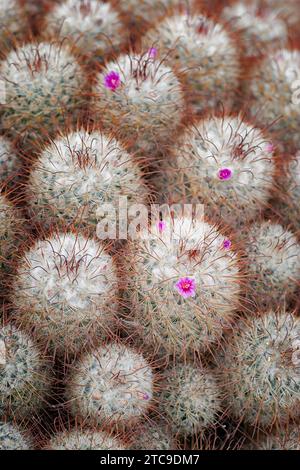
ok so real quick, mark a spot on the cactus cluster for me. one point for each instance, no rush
(149, 225)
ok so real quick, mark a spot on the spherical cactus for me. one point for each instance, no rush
(261, 28)
(111, 385)
(9, 162)
(11, 438)
(65, 289)
(190, 399)
(152, 436)
(261, 369)
(24, 374)
(85, 439)
(141, 98)
(273, 93)
(80, 172)
(283, 439)
(286, 201)
(224, 163)
(94, 27)
(183, 285)
(273, 264)
(206, 55)
(42, 85)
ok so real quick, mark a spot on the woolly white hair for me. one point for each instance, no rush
(113, 383)
(91, 24)
(41, 63)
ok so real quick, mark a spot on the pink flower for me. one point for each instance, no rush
(161, 225)
(112, 80)
(224, 174)
(152, 52)
(227, 244)
(186, 287)
(269, 147)
(146, 396)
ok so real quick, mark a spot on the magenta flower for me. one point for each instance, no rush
(112, 80)
(161, 225)
(146, 396)
(186, 287)
(227, 244)
(224, 174)
(269, 147)
(152, 52)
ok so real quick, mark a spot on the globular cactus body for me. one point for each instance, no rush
(224, 163)
(24, 374)
(190, 399)
(111, 385)
(273, 264)
(78, 174)
(183, 285)
(261, 28)
(261, 370)
(65, 289)
(93, 26)
(42, 90)
(204, 52)
(141, 98)
(273, 92)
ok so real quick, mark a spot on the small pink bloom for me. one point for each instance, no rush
(227, 244)
(224, 174)
(112, 80)
(161, 225)
(152, 52)
(186, 287)
(269, 147)
(145, 396)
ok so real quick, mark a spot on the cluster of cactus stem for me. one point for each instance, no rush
(149, 225)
